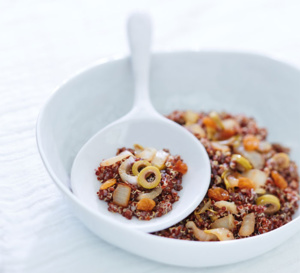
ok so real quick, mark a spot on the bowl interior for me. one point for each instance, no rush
(235, 82)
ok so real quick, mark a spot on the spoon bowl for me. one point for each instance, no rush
(150, 132)
(143, 125)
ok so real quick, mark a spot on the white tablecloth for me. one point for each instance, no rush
(44, 42)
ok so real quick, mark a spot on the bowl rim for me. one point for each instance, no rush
(144, 235)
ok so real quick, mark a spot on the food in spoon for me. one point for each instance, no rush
(141, 182)
(254, 185)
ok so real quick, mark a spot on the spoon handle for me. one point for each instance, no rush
(139, 37)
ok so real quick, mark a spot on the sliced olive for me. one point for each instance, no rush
(242, 162)
(139, 165)
(270, 201)
(149, 177)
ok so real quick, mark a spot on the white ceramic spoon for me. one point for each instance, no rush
(142, 125)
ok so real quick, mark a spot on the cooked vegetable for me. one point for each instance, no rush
(115, 159)
(248, 225)
(108, 184)
(254, 157)
(224, 222)
(139, 165)
(196, 129)
(230, 128)
(281, 161)
(138, 148)
(215, 117)
(204, 208)
(258, 177)
(270, 201)
(190, 117)
(121, 195)
(279, 180)
(242, 162)
(199, 234)
(251, 143)
(223, 234)
(152, 194)
(230, 124)
(124, 168)
(230, 206)
(147, 154)
(145, 204)
(152, 174)
(213, 217)
(264, 146)
(219, 147)
(218, 194)
(160, 159)
(246, 183)
(233, 141)
(230, 179)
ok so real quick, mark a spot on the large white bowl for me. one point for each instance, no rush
(236, 82)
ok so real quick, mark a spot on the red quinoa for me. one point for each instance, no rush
(170, 183)
(244, 199)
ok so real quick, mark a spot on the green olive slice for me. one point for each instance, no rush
(145, 174)
(270, 201)
(139, 165)
(242, 162)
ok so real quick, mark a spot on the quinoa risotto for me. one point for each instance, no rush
(254, 185)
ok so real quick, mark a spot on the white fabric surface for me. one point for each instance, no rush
(44, 42)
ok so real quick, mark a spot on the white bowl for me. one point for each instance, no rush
(236, 82)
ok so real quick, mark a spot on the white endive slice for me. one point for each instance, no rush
(147, 154)
(121, 195)
(248, 224)
(124, 168)
(199, 234)
(230, 206)
(223, 234)
(224, 222)
(258, 177)
(113, 160)
(152, 194)
(160, 159)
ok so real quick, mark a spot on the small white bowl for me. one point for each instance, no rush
(235, 82)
